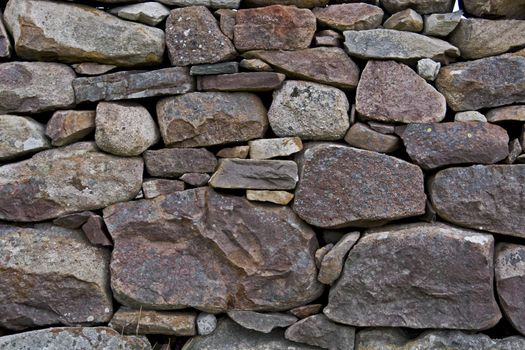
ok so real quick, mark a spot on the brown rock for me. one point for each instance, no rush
(66, 127)
(386, 129)
(90, 68)
(306, 310)
(255, 65)
(274, 27)
(515, 150)
(20, 136)
(356, 16)
(249, 81)
(496, 8)
(174, 162)
(506, 113)
(407, 20)
(333, 260)
(74, 220)
(95, 231)
(226, 21)
(321, 252)
(156, 187)
(277, 197)
(298, 3)
(234, 152)
(423, 7)
(130, 321)
(195, 179)
(261, 322)
(361, 136)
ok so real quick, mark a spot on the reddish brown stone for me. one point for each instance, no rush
(74, 220)
(249, 81)
(234, 152)
(156, 187)
(356, 16)
(66, 127)
(173, 162)
(95, 231)
(132, 321)
(362, 136)
(226, 21)
(306, 310)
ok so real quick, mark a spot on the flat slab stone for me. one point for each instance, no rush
(421, 6)
(277, 197)
(174, 162)
(507, 113)
(156, 187)
(484, 197)
(229, 253)
(358, 16)
(395, 290)
(245, 81)
(261, 322)
(195, 179)
(51, 275)
(20, 136)
(131, 321)
(216, 4)
(234, 152)
(362, 136)
(68, 126)
(342, 186)
(151, 13)
(496, 8)
(271, 148)
(215, 68)
(318, 330)
(90, 68)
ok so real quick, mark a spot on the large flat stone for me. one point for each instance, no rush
(20, 136)
(245, 81)
(174, 162)
(496, 8)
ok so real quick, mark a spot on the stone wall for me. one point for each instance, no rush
(262, 175)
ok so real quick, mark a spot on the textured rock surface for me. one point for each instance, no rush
(90, 68)
(442, 24)
(234, 152)
(206, 323)
(209, 3)
(74, 220)
(407, 20)
(469, 116)
(318, 330)
(20, 136)
(5, 44)
(215, 68)
(68, 126)
(151, 13)
(271, 148)
(261, 322)
(428, 69)
(362, 136)
(130, 321)
(333, 260)
(277, 197)
(421, 6)
(298, 3)
(496, 8)
(155, 187)
(506, 113)
(195, 179)
(306, 310)
(173, 162)
(357, 16)
(245, 81)
(95, 231)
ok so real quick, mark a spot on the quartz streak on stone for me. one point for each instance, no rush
(407, 20)
(277, 197)
(318, 330)
(357, 16)
(420, 6)
(66, 127)
(333, 261)
(271, 148)
(156, 187)
(20, 136)
(51, 275)
(261, 322)
(229, 253)
(362, 136)
(130, 321)
(173, 162)
(151, 13)
(245, 81)
(507, 113)
(496, 8)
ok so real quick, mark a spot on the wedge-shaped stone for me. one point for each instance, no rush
(228, 251)
(131, 321)
(277, 197)
(394, 289)
(20, 136)
(51, 275)
(261, 322)
(318, 330)
(66, 180)
(421, 6)
(69, 126)
(357, 16)
(496, 8)
(362, 136)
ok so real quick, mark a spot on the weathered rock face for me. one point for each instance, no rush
(173, 162)
(90, 68)
(357, 16)
(20, 136)
(65, 180)
(487, 198)
(277, 197)
(5, 44)
(36, 26)
(261, 322)
(442, 24)
(156, 187)
(211, 118)
(333, 260)
(228, 251)
(129, 321)
(271, 148)
(507, 113)
(151, 13)
(298, 3)
(215, 68)
(51, 275)
(395, 290)
(342, 186)
(421, 6)
(362, 136)
(318, 330)
(496, 8)
(245, 81)
(35, 87)
(69, 126)
(407, 20)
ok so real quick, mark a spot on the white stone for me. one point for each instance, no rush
(206, 323)
(428, 69)
(151, 13)
(271, 148)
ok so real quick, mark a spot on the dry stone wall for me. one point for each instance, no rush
(262, 175)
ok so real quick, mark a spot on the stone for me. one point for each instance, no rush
(435, 145)
(386, 129)
(195, 179)
(69, 126)
(234, 152)
(124, 128)
(487, 82)
(21, 136)
(309, 110)
(483, 197)
(174, 162)
(357, 16)
(90, 68)
(298, 3)
(211, 118)
(507, 113)
(329, 41)
(420, 6)
(496, 8)
(277, 197)
(255, 174)
(388, 44)
(216, 4)
(66, 180)
(157, 187)
(389, 91)
(362, 136)
(151, 13)
(318, 330)
(74, 220)
(255, 65)
(95, 231)
(306, 310)
(215, 68)
(321, 252)
(407, 20)
(130, 321)
(5, 43)
(515, 150)
(442, 24)
(38, 33)
(469, 116)
(51, 275)
(275, 27)
(226, 21)
(271, 148)
(333, 261)
(261, 322)
(395, 290)
(133, 84)
(246, 81)
(206, 323)
(33, 87)
(342, 186)
(428, 69)
(325, 65)
(521, 158)
(230, 254)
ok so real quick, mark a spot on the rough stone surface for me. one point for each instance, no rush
(310, 111)
(38, 32)
(5, 44)
(428, 69)
(321, 252)
(318, 330)
(356, 16)
(515, 150)
(383, 128)
(174, 162)
(333, 261)
(271, 148)
(488, 198)
(226, 4)
(420, 6)
(68, 126)
(234, 152)
(392, 92)
(215, 68)
(362, 136)
(343, 186)
(156, 187)
(51, 275)
(90, 68)
(229, 253)
(469, 116)
(151, 13)
(245, 81)
(306, 310)
(407, 20)
(261, 322)
(256, 65)
(277, 197)
(206, 323)
(195, 179)
(442, 24)
(298, 3)
(226, 21)
(506, 113)
(95, 231)
(21, 136)
(130, 321)
(496, 8)
(211, 118)
(66, 180)
(74, 220)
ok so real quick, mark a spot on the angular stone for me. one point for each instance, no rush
(261, 322)
(362, 136)
(325, 65)
(234, 152)
(496, 8)
(51, 275)
(216, 68)
(229, 253)
(515, 150)
(66, 127)
(5, 44)
(442, 24)
(271, 148)
(329, 41)
(255, 174)
(66, 180)
(318, 330)
(156, 187)
(342, 186)
(488, 198)
(469, 116)
(38, 33)
(507, 113)
(392, 92)
(21, 136)
(130, 321)
(216, 4)
(74, 220)
(487, 82)
(95, 231)
(73, 338)
(397, 45)
(226, 21)
(206, 323)
(298, 3)
(246, 81)
(310, 111)
(438, 144)
(407, 20)
(34, 87)
(151, 13)
(90, 68)
(386, 129)
(306, 310)
(195, 179)
(321, 252)
(356, 16)
(274, 27)
(333, 261)
(420, 6)
(277, 197)
(255, 65)
(428, 69)
(174, 162)
(211, 118)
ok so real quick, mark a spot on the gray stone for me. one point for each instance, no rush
(68, 126)
(216, 68)
(496, 8)
(151, 13)
(131, 321)
(174, 162)
(507, 113)
(245, 81)
(74, 220)
(515, 150)
(407, 20)
(321, 252)
(206, 323)
(261, 322)
(5, 44)
(276, 197)
(469, 116)
(298, 3)
(358, 16)
(442, 24)
(428, 69)
(21, 136)
(362, 136)
(333, 261)
(329, 41)
(271, 148)
(156, 187)
(421, 6)
(318, 330)
(216, 4)
(90, 68)
(195, 179)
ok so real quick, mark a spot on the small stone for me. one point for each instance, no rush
(274, 27)
(216, 68)
(5, 44)
(362, 136)
(151, 13)
(333, 261)
(507, 113)
(69, 126)
(234, 152)
(521, 158)
(255, 65)
(420, 6)
(255, 174)
(216, 4)
(206, 323)
(306, 310)
(95, 231)
(246, 81)
(90, 68)
(74, 220)
(442, 24)
(321, 252)
(407, 20)
(130, 321)
(331, 33)
(327, 41)
(356, 16)
(386, 129)
(277, 197)
(226, 21)
(310, 111)
(21, 136)
(174, 162)
(515, 150)
(496, 8)
(469, 116)
(318, 330)
(298, 3)
(271, 148)
(428, 69)
(157, 187)
(261, 322)
(195, 179)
